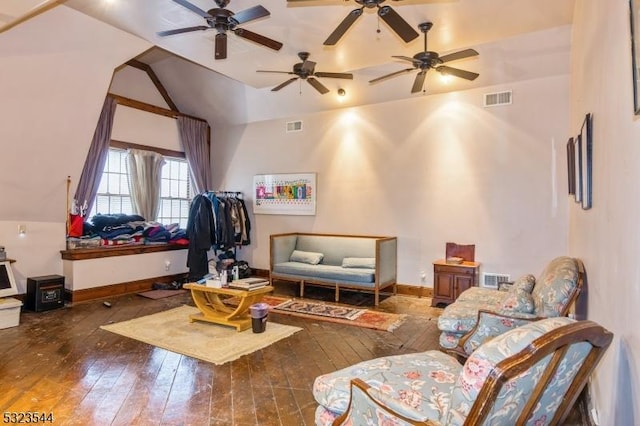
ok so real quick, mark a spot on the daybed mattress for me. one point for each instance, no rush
(361, 276)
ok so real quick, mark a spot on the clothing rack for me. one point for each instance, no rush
(218, 220)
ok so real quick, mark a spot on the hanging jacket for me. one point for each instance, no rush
(201, 234)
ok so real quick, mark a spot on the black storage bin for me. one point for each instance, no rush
(45, 293)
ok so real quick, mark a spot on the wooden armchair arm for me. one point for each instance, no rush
(370, 406)
(489, 325)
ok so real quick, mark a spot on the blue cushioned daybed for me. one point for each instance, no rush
(362, 263)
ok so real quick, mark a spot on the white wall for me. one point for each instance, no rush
(137, 126)
(428, 170)
(37, 252)
(144, 128)
(134, 83)
(84, 274)
(607, 237)
(52, 86)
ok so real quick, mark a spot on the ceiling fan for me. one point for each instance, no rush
(388, 15)
(305, 70)
(223, 20)
(431, 60)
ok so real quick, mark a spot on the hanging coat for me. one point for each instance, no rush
(201, 234)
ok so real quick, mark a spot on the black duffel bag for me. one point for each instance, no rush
(244, 270)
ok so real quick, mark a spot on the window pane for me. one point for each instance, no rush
(175, 170)
(127, 207)
(122, 164)
(102, 188)
(184, 172)
(124, 184)
(114, 195)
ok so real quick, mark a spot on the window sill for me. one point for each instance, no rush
(97, 253)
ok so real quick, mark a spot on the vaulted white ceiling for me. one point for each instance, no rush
(517, 40)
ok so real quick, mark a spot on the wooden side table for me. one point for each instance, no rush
(207, 299)
(449, 280)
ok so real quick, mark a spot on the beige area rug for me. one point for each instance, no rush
(218, 344)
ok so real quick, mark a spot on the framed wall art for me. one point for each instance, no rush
(571, 167)
(586, 134)
(288, 193)
(577, 162)
(634, 9)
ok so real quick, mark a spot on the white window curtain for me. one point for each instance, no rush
(145, 180)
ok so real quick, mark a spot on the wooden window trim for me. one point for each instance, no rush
(161, 151)
(100, 252)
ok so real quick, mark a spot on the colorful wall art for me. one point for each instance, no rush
(289, 193)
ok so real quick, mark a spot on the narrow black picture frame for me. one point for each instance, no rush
(577, 156)
(586, 133)
(635, 55)
(571, 167)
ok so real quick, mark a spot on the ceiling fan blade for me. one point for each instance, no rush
(308, 66)
(257, 38)
(419, 81)
(193, 8)
(221, 46)
(393, 74)
(277, 72)
(468, 75)
(397, 24)
(343, 27)
(406, 58)
(182, 30)
(286, 83)
(317, 85)
(250, 14)
(467, 53)
(334, 75)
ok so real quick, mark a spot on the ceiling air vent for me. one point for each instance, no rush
(294, 126)
(498, 98)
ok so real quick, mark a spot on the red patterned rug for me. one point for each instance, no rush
(342, 314)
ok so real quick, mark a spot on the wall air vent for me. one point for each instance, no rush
(498, 98)
(491, 280)
(294, 126)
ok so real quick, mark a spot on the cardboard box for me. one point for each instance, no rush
(9, 312)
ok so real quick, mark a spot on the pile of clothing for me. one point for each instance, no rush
(121, 229)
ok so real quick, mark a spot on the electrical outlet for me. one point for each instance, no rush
(167, 265)
(423, 277)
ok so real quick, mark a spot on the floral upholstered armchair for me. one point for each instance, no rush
(531, 374)
(529, 299)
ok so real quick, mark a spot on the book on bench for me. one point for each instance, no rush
(249, 283)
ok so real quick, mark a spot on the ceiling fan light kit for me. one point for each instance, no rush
(305, 70)
(426, 60)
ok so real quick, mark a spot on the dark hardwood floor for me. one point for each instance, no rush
(61, 362)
